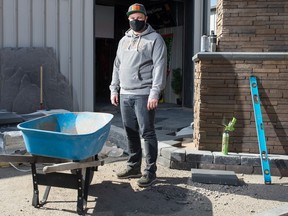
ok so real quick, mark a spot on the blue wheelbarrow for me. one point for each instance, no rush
(72, 136)
(68, 141)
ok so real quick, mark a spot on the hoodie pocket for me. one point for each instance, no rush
(129, 77)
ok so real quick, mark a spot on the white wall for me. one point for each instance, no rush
(65, 25)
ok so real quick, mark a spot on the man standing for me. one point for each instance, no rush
(140, 74)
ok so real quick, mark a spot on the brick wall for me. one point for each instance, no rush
(252, 26)
(222, 91)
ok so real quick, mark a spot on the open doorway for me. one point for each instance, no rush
(165, 16)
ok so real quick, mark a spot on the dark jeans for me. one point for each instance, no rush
(137, 119)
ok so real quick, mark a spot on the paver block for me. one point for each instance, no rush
(231, 158)
(222, 177)
(240, 169)
(250, 159)
(178, 155)
(163, 161)
(167, 151)
(199, 156)
(183, 165)
(278, 161)
(279, 172)
(212, 166)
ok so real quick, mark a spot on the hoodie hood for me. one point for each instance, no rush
(130, 34)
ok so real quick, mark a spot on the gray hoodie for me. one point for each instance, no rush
(140, 64)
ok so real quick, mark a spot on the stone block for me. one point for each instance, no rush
(222, 177)
(178, 155)
(250, 159)
(279, 172)
(212, 166)
(199, 156)
(167, 151)
(231, 158)
(163, 161)
(240, 169)
(183, 165)
(257, 170)
(278, 161)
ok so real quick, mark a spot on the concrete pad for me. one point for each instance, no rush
(222, 177)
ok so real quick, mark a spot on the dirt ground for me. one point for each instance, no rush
(174, 194)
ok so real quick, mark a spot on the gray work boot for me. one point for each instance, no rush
(146, 180)
(129, 173)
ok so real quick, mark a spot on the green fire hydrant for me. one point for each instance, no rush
(225, 136)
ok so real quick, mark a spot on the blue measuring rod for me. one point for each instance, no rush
(260, 130)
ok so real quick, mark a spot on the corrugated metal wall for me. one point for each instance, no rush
(65, 25)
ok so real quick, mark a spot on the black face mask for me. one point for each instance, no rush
(137, 25)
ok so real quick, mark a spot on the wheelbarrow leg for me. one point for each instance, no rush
(80, 209)
(86, 185)
(35, 199)
(45, 196)
(83, 187)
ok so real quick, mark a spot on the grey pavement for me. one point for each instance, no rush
(170, 119)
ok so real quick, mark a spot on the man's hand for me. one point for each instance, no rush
(152, 104)
(114, 100)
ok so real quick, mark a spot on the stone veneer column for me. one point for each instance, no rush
(222, 91)
(252, 26)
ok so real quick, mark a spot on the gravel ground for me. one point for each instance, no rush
(173, 194)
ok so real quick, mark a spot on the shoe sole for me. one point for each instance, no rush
(130, 176)
(147, 185)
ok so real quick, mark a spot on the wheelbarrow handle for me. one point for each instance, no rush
(71, 165)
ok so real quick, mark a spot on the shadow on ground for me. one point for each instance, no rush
(276, 192)
(164, 198)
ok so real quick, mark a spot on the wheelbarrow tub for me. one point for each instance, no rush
(73, 135)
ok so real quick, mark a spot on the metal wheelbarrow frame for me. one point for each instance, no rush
(80, 177)
(71, 141)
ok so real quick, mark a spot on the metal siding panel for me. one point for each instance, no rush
(24, 23)
(9, 23)
(77, 49)
(72, 39)
(52, 24)
(64, 38)
(88, 81)
(1, 23)
(38, 23)
(198, 23)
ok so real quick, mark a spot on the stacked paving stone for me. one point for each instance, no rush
(185, 159)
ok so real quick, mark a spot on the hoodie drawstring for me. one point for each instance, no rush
(138, 42)
(138, 37)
